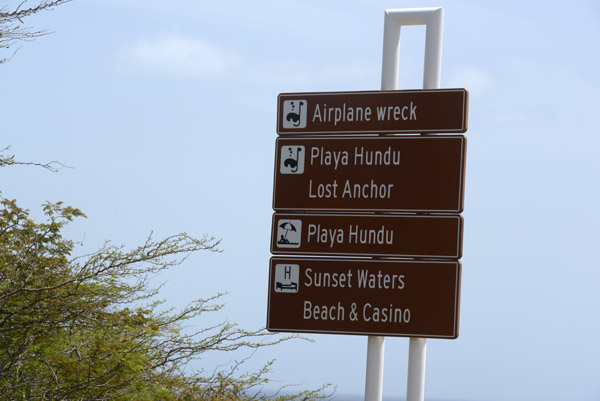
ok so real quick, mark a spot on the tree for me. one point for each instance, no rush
(12, 30)
(90, 327)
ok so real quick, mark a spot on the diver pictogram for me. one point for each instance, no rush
(292, 160)
(294, 113)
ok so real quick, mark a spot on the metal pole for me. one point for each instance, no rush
(433, 18)
(415, 382)
(417, 347)
(432, 70)
(374, 377)
(389, 81)
(391, 53)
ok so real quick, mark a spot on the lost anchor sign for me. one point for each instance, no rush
(404, 174)
(408, 111)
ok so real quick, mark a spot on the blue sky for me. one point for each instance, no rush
(166, 114)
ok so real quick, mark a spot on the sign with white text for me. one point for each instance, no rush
(371, 112)
(370, 174)
(433, 236)
(366, 297)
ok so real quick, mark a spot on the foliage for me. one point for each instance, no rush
(11, 23)
(90, 327)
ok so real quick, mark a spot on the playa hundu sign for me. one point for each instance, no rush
(415, 236)
(400, 174)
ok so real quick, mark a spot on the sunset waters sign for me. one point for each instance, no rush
(360, 296)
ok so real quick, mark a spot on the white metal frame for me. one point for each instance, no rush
(433, 18)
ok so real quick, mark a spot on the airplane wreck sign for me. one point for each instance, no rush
(407, 111)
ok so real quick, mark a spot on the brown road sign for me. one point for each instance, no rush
(366, 297)
(407, 111)
(367, 235)
(402, 173)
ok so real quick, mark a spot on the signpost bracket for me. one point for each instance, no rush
(433, 18)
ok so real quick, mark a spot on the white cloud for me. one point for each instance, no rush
(174, 55)
(179, 56)
(300, 73)
(473, 78)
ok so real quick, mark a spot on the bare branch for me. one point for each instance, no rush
(53, 166)
(12, 30)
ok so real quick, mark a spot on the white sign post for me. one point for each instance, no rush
(433, 18)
